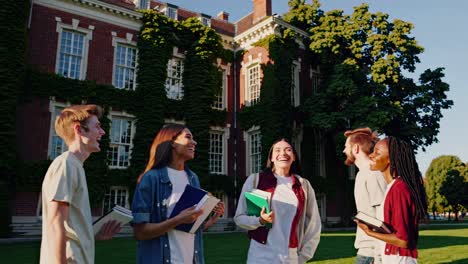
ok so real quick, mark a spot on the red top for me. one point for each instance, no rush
(400, 212)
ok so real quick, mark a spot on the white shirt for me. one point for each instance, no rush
(369, 189)
(182, 244)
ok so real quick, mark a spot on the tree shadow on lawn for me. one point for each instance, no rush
(460, 261)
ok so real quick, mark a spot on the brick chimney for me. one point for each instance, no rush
(223, 15)
(261, 9)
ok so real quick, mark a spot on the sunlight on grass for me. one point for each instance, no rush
(437, 245)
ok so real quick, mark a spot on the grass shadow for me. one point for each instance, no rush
(428, 242)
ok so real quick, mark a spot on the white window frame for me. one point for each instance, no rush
(246, 73)
(108, 195)
(295, 83)
(144, 4)
(250, 99)
(122, 115)
(74, 27)
(169, 10)
(248, 154)
(224, 131)
(52, 106)
(316, 79)
(206, 21)
(127, 42)
(226, 69)
(176, 56)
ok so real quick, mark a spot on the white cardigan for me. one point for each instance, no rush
(309, 226)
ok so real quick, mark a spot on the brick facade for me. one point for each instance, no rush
(42, 54)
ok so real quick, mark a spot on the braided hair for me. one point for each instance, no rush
(403, 164)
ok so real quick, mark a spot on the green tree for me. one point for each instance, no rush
(453, 188)
(435, 176)
(363, 58)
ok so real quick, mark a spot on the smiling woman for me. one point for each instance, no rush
(296, 225)
(159, 188)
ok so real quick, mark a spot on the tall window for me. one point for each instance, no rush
(253, 84)
(316, 80)
(295, 69)
(72, 50)
(318, 166)
(174, 85)
(57, 145)
(216, 152)
(125, 67)
(116, 195)
(121, 133)
(254, 151)
(220, 98)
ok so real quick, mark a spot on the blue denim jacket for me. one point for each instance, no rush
(149, 206)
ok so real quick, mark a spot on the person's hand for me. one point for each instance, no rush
(108, 230)
(266, 218)
(219, 209)
(363, 226)
(189, 215)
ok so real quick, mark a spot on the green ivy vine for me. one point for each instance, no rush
(148, 102)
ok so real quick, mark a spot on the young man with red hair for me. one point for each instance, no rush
(369, 188)
(67, 227)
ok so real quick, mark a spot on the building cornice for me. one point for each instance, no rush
(269, 26)
(97, 10)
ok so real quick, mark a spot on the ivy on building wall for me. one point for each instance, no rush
(274, 113)
(201, 47)
(13, 28)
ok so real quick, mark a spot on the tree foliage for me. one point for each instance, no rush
(436, 174)
(363, 59)
(454, 189)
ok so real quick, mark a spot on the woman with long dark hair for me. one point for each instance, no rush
(405, 201)
(294, 215)
(159, 188)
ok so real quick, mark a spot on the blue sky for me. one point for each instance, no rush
(440, 27)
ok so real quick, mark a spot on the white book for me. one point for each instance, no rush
(118, 213)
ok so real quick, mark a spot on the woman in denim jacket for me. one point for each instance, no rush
(159, 188)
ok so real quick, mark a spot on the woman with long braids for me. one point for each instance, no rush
(405, 200)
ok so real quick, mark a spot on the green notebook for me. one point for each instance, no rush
(256, 200)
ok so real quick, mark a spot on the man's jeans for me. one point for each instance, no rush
(364, 260)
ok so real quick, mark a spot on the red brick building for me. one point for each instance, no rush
(96, 40)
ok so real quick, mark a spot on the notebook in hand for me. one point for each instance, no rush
(256, 200)
(118, 213)
(373, 223)
(190, 197)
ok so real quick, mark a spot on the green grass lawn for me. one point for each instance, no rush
(437, 244)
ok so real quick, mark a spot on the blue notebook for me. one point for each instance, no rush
(190, 197)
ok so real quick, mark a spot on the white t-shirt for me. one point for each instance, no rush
(369, 189)
(276, 250)
(182, 244)
(65, 181)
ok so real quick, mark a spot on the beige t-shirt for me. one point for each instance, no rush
(369, 189)
(65, 181)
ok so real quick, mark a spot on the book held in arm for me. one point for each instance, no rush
(256, 200)
(118, 213)
(373, 223)
(190, 197)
